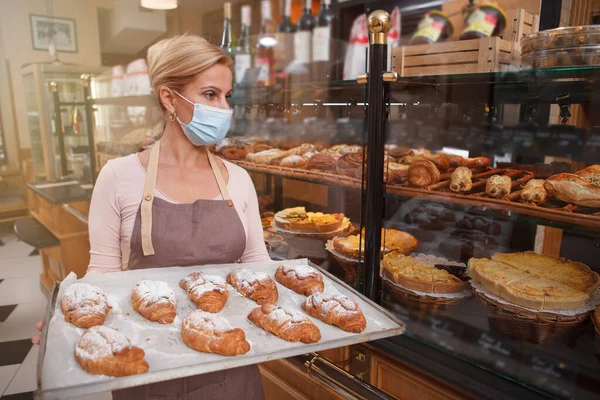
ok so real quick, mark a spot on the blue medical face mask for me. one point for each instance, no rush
(209, 125)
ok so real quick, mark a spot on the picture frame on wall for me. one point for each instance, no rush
(46, 30)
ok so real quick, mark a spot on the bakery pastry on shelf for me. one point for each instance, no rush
(573, 189)
(395, 173)
(84, 305)
(104, 351)
(350, 164)
(302, 279)
(415, 275)
(325, 162)
(337, 310)
(398, 152)
(351, 246)
(423, 173)
(237, 151)
(155, 300)
(265, 157)
(257, 286)
(526, 287)
(534, 192)
(454, 160)
(211, 333)
(292, 161)
(477, 162)
(479, 223)
(208, 292)
(498, 186)
(461, 180)
(289, 325)
(303, 149)
(299, 220)
(574, 274)
(345, 149)
(430, 217)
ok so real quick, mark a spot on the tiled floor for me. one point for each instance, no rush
(22, 305)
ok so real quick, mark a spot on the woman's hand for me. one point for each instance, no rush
(39, 326)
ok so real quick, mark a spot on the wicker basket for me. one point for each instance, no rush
(349, 266)
(521, 324)
(424, 303)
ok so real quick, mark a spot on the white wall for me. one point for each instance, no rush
(16, 47)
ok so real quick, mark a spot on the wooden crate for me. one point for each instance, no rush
(520, 23)
(461, 57)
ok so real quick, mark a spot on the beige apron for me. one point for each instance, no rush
(205, 232)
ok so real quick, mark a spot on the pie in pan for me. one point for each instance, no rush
(297, 219)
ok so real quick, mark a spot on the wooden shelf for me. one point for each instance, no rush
(544, 215)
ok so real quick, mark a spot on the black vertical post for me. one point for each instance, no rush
(58, 130)
(89, 120)
(379, 24)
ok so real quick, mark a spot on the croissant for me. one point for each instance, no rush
(208, 292)
(336, 309)
(104, 351)
(322, 162)
(286, 324)
(84, 305)
(302, 279)
(498, 186)
(350, 164)
(407, 160)
(293, 161)
(423, 173)
(155, 300)
(211, 333)
(534, 192)
(257, 286)
(461, 180)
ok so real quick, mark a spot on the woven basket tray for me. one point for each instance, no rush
(521, 324)
(423, 303)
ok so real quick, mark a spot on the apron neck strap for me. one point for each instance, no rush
(146, 206)
(220, 180)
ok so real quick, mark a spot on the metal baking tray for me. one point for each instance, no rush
(60, 377)
(560, 38)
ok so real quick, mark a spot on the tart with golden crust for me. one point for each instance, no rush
(299, 220)
(351, 246)
(526, 281)
(415, 275)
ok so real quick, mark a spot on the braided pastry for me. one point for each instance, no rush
(84, 305)
(302, 279)
(211, 333)
(208, 292)
(336, 309)
(155, 300)
(288, 325)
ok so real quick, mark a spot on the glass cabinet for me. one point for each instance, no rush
(58, 129)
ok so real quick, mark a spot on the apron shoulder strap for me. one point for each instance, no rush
(146, 206)
(220, 180)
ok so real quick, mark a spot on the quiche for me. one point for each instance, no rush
(351, 246)
(534, 281)
(299, 220)
(412, 274)
(573, 274)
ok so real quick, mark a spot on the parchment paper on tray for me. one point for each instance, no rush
(60, 377)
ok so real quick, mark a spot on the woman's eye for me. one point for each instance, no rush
(209, 95)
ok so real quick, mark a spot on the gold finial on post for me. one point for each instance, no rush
(86, 79)
(379, 25)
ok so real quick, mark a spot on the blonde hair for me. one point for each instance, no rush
(174, 62)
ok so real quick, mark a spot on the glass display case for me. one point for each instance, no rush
(58, 129)
(432, 173)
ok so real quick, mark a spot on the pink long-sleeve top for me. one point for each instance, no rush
(116, 199)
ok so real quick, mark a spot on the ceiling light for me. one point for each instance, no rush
(159, 4)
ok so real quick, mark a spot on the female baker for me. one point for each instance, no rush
(176, 204)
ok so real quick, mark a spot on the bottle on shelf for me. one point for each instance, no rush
(264, 60)
(284, 53)
(303, 43)
(227, 40)
(324, 46)
(243, 53)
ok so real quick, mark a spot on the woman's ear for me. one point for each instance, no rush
(167, 98)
